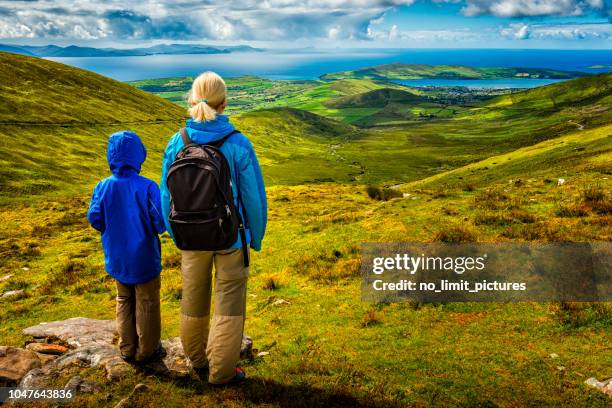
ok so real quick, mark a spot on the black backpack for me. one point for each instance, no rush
(203, 216)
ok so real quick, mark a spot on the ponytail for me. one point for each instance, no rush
(207, 94)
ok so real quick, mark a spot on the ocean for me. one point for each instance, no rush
(304, 64)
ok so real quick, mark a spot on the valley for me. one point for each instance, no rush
(347, 159)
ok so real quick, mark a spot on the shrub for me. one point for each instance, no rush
(533, 232)
(271, 284)
(382, 194)
(571, 210)
(603, 207)
(495, 200)
(593, 194)
(456, 234)
(370, 319)
(580, 314)
(468, 187)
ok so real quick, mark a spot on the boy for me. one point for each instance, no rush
(126, 209)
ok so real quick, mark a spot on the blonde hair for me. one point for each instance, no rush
(207, 94)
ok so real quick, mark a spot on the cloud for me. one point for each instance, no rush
(521, 31)
(270, 20)
(532, 8)
(263, 20)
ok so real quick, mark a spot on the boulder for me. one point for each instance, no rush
(45, 348)
(5, 278)
(15, 363)
(77, 332)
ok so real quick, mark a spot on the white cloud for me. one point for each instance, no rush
(263, 20)
(531, 8)
(523, 31)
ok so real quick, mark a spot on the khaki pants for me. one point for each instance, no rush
(218, 347)
(138, 318)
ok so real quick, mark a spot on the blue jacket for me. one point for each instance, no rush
(244, 168)
(126, 209)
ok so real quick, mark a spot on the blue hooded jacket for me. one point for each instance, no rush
(245, 172)
(126, 209)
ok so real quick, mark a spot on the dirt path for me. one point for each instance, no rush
(578, 125)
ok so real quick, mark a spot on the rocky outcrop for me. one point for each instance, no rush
(82, 342)
(76, 332)
(16, 363)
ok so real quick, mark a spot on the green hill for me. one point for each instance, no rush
(35, 90)
(421, 71)
(577, 152)
(378, 98)
(55, 120)
(297, 147)
(591, 90)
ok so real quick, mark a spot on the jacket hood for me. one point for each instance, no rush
(210, 130)
(125, 153)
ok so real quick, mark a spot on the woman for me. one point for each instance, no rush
(215, 353)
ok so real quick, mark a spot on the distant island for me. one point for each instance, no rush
(161, 49)
(401, 71)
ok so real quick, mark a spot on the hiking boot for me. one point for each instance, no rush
(238, 378)
(157, 355)
(202, 372)
(128, 359)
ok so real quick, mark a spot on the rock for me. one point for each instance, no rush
(127, 401)
(77, 332)
(561, 368)
(25, 268)
(406, 195)
(15, 294)
(604, 386)
(78, 384)
(175, 364)
(263, 353)
(554, 355)
(15, 364)
(44, 348)
(36, 378)
(45, 358)
(105, 356)
(280, 302)
(93, 346)
(560, 182)
(5, 278)
(246, 348)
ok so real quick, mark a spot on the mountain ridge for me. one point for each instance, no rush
(55, 51)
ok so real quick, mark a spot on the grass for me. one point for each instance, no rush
(420, 71)
(486, 173)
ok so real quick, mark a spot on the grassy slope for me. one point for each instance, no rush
(55, 120)
(420, 71)
(327, 348)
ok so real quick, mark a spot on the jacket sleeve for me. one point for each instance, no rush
(95, 215)
(169, 155)
(253, 194)
(154, 206)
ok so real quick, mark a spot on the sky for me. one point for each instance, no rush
(562, 24)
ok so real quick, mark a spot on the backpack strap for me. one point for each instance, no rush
(186, 140)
